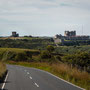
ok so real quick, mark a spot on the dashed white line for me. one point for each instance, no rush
(30, 77)
(36, 84)
(27, 72)
(4, 81)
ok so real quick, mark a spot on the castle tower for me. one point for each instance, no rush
(70, 33)
(14, 34)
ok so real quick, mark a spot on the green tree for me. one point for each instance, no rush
(50, 48)
(45, 55)
(21, 57)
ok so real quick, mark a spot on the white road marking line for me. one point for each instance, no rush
(30, 77)
(4, 81)
(27, 72)
(36, 84)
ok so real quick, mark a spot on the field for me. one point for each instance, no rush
(25, 42)
(17, 54)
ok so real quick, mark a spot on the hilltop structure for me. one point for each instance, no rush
(15, 34)
(70, 33)
(70, 36)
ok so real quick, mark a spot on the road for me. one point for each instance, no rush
(24, 78)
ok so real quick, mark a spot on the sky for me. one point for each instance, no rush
(44, 17)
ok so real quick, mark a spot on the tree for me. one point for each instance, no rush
(21, 57)
(45, 55)
(50, 48)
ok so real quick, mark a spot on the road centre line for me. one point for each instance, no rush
(30, 77)
(36, 84)
(27, 72)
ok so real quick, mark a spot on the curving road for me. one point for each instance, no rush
(23, 78)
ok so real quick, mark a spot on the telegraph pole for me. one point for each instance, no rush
(82, 29)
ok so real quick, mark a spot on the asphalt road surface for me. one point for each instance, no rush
(23, 78)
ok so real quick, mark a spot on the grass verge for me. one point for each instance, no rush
(3, 71)
(63, 71)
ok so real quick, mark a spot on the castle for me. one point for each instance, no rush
(70, 36)
(15, 34)
(70, 33)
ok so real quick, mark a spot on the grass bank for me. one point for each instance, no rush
(61, 70)
(2, 71)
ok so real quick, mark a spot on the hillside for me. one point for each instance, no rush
(26, 42)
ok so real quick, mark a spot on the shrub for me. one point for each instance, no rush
(45, 55)
(58, 58)
(21, 57)
(82, 59)
(29, 54)
(50, 48)
(8, 55)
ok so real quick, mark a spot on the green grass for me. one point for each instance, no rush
(17, 54)
(64, 71)
(25, 42)
(17, 49)
(72, 49)
(20, 38)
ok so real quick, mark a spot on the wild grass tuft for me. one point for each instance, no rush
(2, 69)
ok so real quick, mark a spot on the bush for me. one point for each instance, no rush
(45, 55)
(58, 58)
(29, 54)
(8, 55)
(81, 59)
(50, 48)
(21, 57)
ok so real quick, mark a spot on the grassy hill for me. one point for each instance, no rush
(17, 54)
(25, 42)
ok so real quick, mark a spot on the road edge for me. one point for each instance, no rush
(3, 85)
(60, 78)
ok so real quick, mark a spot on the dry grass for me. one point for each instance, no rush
(2, 69)
(14, 38)
(73, 72)
(61, 68)
(72, 75)
(80, 75)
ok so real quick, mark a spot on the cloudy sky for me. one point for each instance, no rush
(44, 17)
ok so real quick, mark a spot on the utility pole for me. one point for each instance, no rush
(82, 30)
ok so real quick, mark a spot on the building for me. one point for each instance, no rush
(70, 33)
(15, 34)
(70, 36)
(58, 36)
